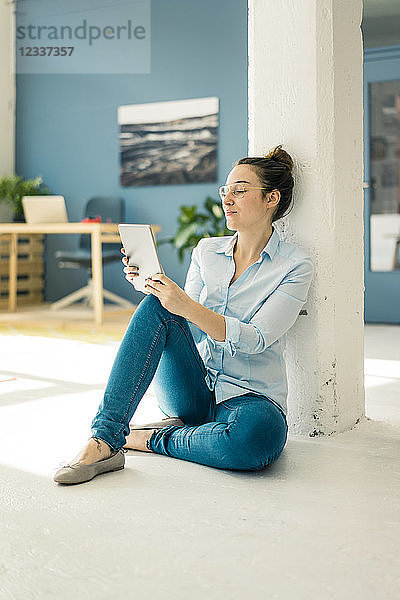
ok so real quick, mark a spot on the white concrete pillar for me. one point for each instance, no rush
(305, 92)
(7, 87)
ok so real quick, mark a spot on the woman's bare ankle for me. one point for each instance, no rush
(137, 439)
(94, 450)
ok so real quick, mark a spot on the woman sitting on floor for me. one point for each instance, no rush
(214, 351)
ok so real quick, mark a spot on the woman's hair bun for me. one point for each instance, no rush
(279, 155)
(274, 171)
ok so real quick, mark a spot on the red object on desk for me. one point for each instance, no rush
(96, 219)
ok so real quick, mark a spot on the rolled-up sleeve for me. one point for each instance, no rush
(193, 286)
(275, 316)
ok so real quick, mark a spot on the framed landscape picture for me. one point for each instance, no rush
(168, 143)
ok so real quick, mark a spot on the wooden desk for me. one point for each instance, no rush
(100, 233)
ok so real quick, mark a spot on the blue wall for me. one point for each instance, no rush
(67, 130)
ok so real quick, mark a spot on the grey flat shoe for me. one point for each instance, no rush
(79, 473)
(159, 424)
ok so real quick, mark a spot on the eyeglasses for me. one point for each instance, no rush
(237, 189)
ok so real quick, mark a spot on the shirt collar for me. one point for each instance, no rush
(270, 248)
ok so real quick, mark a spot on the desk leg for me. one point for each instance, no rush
(97, 276)
(12, 273)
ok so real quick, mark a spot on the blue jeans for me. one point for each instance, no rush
(246, 432)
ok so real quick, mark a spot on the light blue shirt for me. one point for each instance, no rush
(259, 308)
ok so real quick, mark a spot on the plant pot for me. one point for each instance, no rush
(6, 213)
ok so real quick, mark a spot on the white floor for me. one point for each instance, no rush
(322, 522)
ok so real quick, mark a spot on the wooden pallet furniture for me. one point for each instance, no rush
(30, 269)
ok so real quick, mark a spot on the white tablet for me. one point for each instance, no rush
(140, 248)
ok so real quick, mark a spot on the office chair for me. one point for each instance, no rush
(110, 209)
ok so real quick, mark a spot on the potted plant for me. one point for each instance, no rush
(194, 225)
(13, 188)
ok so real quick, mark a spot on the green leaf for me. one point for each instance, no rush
(188, 213)
(217, 210)
(209, 203)
(183, 236)
(13, 188)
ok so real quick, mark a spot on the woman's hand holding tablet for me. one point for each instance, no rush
(140, 250)
(131, 271)
(171, 296)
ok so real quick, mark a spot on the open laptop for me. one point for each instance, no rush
(44, 209)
